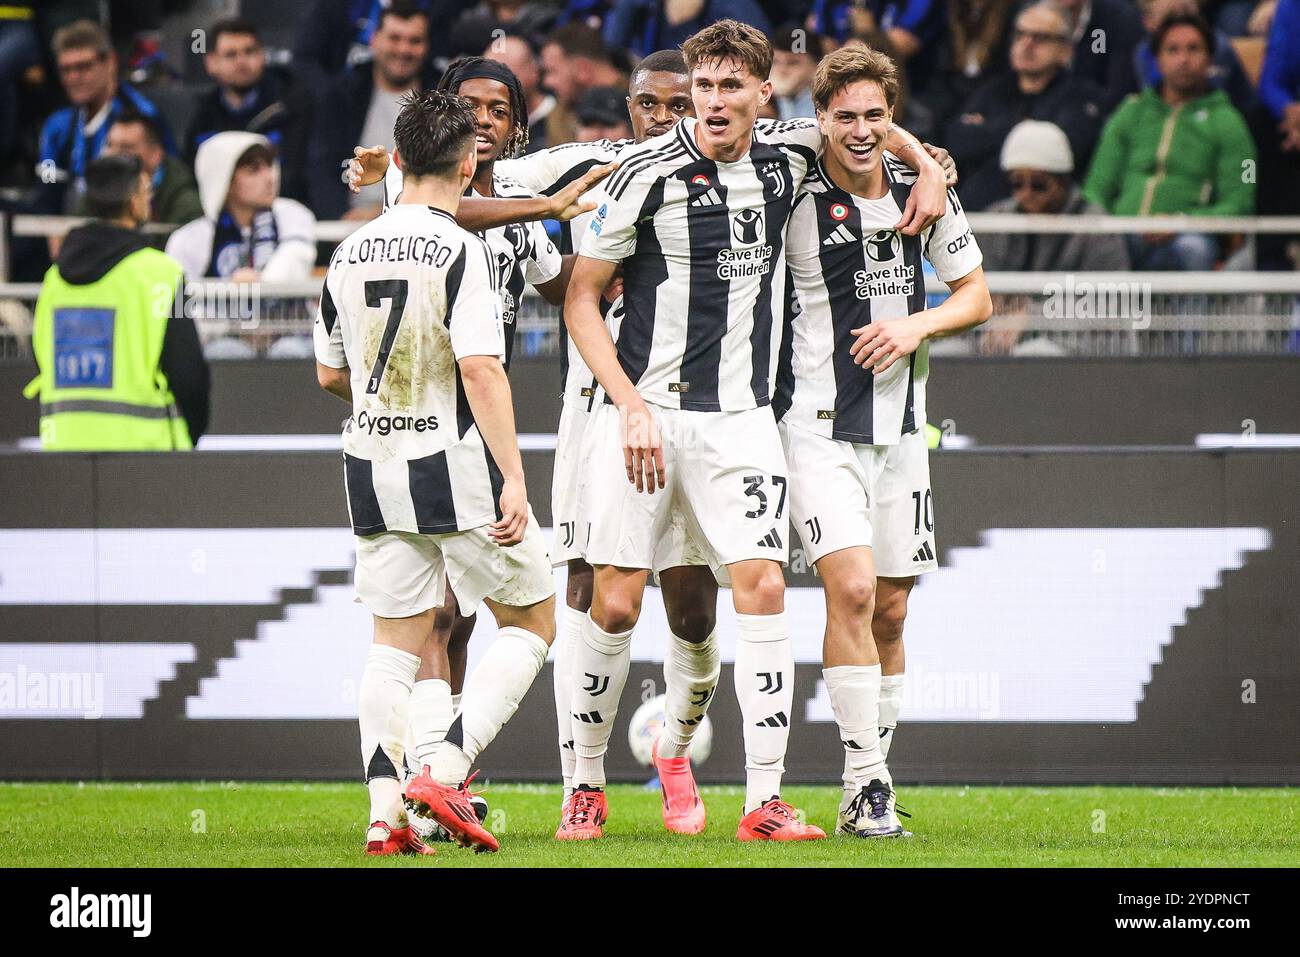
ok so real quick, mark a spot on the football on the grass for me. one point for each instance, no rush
(648, 723)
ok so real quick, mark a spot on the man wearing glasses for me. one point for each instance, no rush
(75, 135)
(1040, 86)
(1039, 169)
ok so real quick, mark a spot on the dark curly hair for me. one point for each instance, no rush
(467, 68)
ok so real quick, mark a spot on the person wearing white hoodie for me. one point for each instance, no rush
(248, 232)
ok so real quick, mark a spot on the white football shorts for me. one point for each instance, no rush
(726, 500)
(843, 494)
(400, 574)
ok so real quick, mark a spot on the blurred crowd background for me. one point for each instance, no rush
(1128, 107)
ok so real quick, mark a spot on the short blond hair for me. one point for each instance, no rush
(730, 38)
(81, 35)
(853, 64)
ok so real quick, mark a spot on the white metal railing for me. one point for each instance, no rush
(33, 226)
(1088, 314)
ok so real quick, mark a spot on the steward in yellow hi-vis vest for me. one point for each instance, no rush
(120, 369)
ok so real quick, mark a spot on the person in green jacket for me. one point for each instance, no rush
(120, 366)
(1181, 148)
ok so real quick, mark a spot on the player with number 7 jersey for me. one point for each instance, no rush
(410, 335)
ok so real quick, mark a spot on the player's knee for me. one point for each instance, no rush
(444, 621)
(693, 624)
(578, 590)
(616, 612)
(855, 598)
(887, 622)
(766, 589)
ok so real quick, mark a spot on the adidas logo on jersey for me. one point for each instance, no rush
(707, 198)
(924, 553)
(841, 236)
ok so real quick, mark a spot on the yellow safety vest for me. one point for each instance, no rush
(98, 346)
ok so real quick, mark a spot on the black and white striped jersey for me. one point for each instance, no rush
(406, 296)
(545, 173)
(848, 268)
(701, 243)
(524, 253)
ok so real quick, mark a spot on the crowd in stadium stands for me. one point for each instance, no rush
(1074, 106)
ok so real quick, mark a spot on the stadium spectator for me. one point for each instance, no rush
(19, 52)
(591, 13)
(644, 26)
(335, 35)
(602, 115)
(475, 28)
(1105, 34)
(1040, 87)
(1278, 133)
(246, 232)
(1225, 73)
(517, 53)
(175, 193)
(574, 59)
(1181, 148)
(904, 26)
(249, 97)
(75, 135)
(1038, 164)
(972, 49)
(360, 106)
(795, 53)
(138, 380)
(1279, 82)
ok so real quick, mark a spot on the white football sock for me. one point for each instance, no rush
(455, 702)
(855, 700)
(891, 702)
(382, 702)
(491, 696)
(599, 670)
(570, 633)
(690, 678)
(765, 689)
(430, 717)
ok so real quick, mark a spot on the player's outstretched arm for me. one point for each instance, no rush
(881, 344)
(335, 381)
(929, 196)
(643, 454)
(488, 392)
(369, 164)
(478, 213)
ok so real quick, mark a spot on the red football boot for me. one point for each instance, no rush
(776, 821)
(584, 813)
(451, 808)
(382, 840)
(683, 810)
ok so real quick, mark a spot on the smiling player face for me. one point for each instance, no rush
(856, 125)
(727, 97)
(656, 101)
(492, 117)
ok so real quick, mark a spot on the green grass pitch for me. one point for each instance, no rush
(287, 825)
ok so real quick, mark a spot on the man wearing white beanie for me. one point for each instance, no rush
(1039, 166)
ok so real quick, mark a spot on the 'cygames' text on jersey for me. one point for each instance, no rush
(406, 296)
